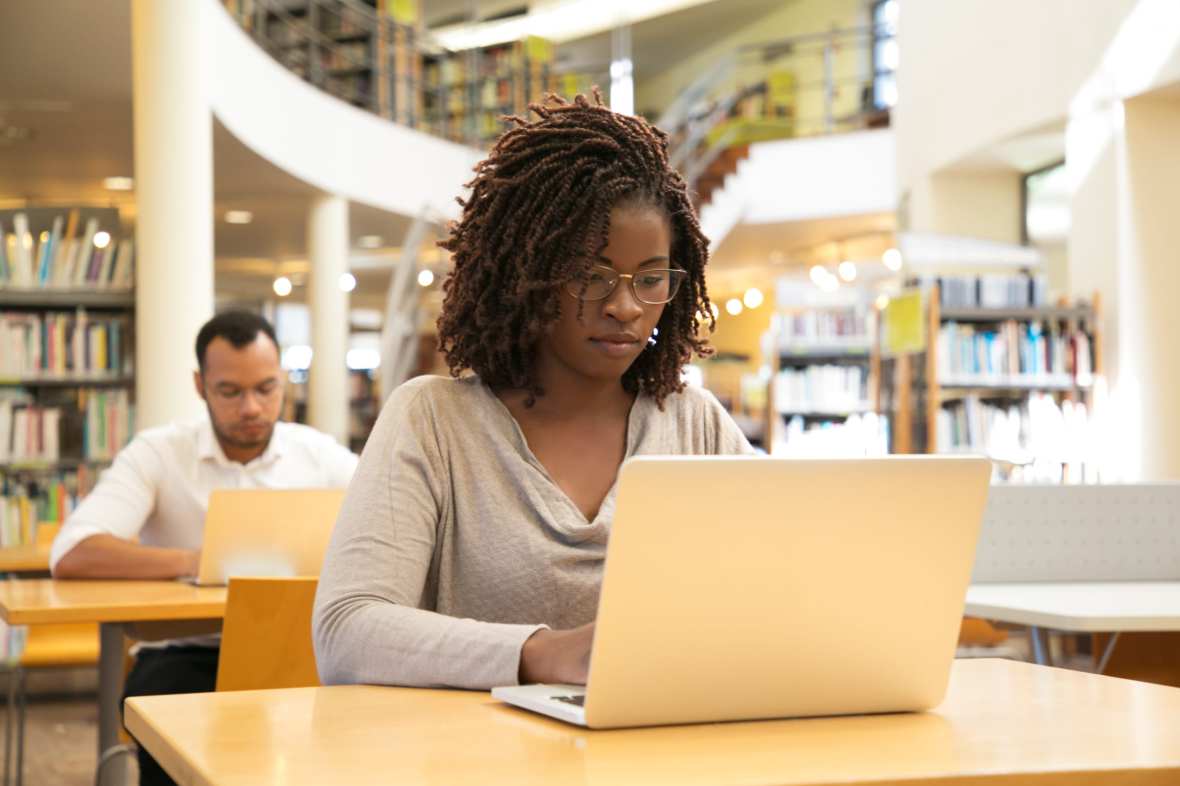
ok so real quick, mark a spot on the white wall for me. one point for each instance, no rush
(800, 179)
(324, 141)
(976, 72)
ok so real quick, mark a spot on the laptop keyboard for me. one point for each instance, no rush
(577, 701)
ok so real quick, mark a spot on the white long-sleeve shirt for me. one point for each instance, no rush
(158, 487)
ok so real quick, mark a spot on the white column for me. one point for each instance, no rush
(1125, 185)
(174, 203)
(1148, 386)
(622, 76)
(327, 252)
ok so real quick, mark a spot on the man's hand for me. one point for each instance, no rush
(557, 656)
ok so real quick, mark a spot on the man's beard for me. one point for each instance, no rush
(228, 438)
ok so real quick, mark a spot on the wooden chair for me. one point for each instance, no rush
(266, 635)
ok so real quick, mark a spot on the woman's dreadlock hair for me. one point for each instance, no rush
(539, 211)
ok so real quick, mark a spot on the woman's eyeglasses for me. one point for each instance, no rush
(653, 286)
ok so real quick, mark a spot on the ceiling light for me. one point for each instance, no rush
(882, 301)
(892, 259)
(238, 216)
(425, 278)
(777, 257)
(102, 239)
(847, 270)
(714, 310)
(733, 306)
(347, 282)
(370, 241)
(818, 273)
(830, 283)
(282, 286)
(753, 297)
(118, 183)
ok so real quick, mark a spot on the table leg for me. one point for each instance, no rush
(1107, 652)
(110, 690)
(1039, 638)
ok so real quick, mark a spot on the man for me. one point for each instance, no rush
(157, 490)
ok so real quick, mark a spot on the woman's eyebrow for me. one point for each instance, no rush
(649, 261)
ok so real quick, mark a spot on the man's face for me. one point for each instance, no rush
(243, 390)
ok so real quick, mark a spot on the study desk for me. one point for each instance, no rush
(23, 559)
(1079, 607)
(1002, 722)
(112, 604)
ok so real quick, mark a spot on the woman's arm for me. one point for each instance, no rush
(367, 626)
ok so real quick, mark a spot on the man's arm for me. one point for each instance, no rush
(108, 557)
(97, 541)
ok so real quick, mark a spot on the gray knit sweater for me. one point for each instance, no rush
(454, 545)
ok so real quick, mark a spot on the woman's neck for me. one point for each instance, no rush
(569, 395)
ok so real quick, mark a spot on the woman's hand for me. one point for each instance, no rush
(557, 656)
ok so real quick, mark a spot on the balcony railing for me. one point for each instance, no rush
(801, 86)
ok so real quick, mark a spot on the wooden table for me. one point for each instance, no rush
(112, 604)
(23, 559)
(1079, 607)
(1002, 723)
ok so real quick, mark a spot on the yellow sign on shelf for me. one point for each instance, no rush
(904, 326)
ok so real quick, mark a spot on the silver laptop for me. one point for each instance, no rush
(739, 588)
(266, 532)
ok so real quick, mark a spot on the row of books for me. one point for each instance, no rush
(992, 290)
(830, 327)
(27, 506)
(1015, 352)
(1036, 439)
(64, 257)
(859, 436)
(820, 389)
(56, 344)
(95, 429)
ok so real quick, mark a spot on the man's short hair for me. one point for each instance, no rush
(237, 326)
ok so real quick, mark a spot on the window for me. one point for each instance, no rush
(885, 53)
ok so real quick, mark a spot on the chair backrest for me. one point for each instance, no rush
(1121, 532)
(266, 636)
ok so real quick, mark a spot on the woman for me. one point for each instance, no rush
(470, 547)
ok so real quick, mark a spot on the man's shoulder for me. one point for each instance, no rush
(177, 435)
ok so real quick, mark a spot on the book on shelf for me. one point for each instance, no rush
(63, 256)
(29, 502)
(992, 290)
(819, 389)
(860, 435)
(833, 327)
(1014, 352)
(1037, 437)
(63, 345)
(82, 425)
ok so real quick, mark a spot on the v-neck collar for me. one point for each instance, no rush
(522, 445)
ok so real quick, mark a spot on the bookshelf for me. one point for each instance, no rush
(466, 93)
(1004, 374)
(361, 51)
(824, 371)
(66, 360)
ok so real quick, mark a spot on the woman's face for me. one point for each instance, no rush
(609, 335)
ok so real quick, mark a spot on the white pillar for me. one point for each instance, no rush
(327, 252)
(1148, 385)
(174, 203)
(1125, 185)
(622, 76)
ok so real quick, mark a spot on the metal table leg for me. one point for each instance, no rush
(1039, 638)
(110, 690)
(1107, 652)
